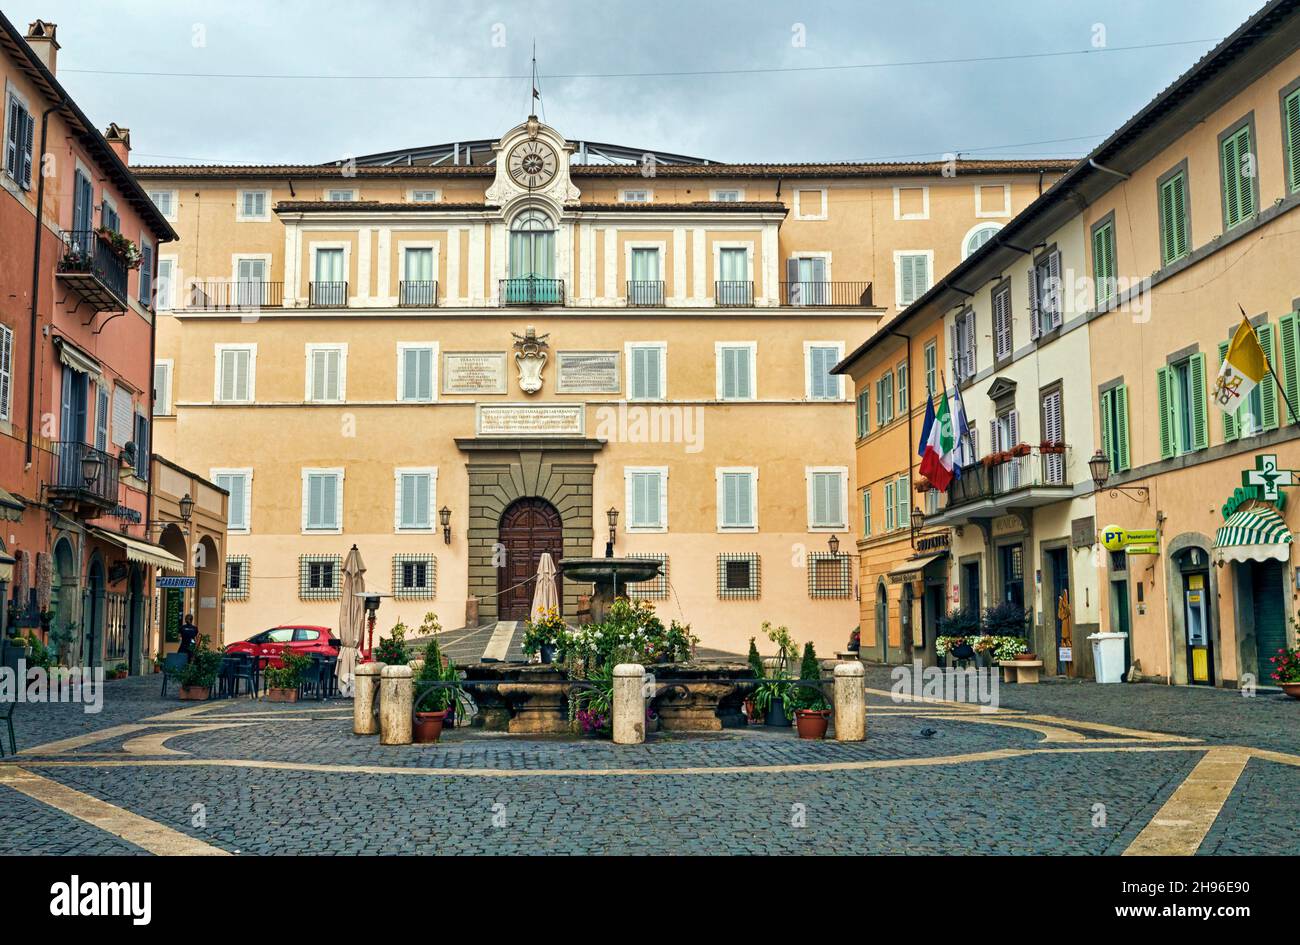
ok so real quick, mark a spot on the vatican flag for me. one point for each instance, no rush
(1244, 366)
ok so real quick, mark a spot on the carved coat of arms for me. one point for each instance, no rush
(530, 356)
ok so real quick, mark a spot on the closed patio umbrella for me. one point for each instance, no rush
(544, 595)
(352, 616)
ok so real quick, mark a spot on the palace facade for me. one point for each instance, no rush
(459, 357)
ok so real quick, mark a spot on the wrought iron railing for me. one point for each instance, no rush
(328, 294)
(845, 294)
(72, 462)
(86, 252)
(731, 293)
(532, 290)
(645, 292)
(418, 293)
(987, 480)
(236, 294)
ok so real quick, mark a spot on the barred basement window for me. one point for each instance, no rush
(738, 576)
(319, 578)
(237, 577)
(415, 576)
(655, 588)
(829, 575)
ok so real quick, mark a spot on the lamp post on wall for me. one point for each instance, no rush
(444, 519)
(612, 515)
(91, 464)
(1099, 469)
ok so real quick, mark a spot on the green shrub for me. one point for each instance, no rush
(289, 674)
(755, 661)
(392, 648)
(205, 662)
(809, 695)
(1006, 620)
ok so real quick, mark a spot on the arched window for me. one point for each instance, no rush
(977, 237)
(532, 246)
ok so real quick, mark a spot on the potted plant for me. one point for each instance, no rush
(954, 629)
(392, 648)
(922, 484)
(119, 671)
(592, 706)
(438, 693)
(1006, 619)
(200, 672)
(120, 246)
(542, 636)
(1286, 670)
(812, 713)
(1021, 449)
(1051, 446)
(282, 681)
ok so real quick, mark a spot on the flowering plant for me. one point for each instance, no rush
(1286, 665)
(1008, 648)
(983, 643)
(121, 247)
(547, 630)
(630, 632)
(945, 645)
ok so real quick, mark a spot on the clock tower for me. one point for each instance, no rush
(532, 162)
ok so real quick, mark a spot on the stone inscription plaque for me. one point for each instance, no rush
(531, 419)
(588, 372)
(474, 372)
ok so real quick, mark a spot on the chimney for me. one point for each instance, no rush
(119, 139)
(40, 36)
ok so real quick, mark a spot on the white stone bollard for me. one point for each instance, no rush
(397, 692)
(850, 703)
(365, 697)
(629, 704)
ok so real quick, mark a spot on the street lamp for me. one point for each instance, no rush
(187, 507)
(444, 517)
(371, 602)
(1099, 469)
(91, 464)
(834, 543)
(918, 519)
(612, 515)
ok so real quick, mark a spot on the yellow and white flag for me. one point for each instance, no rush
(1244, 366)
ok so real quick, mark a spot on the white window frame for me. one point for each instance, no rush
(822, 254)
(437, 194)
(402, 348)
(738, 191)
(342, 348)
(337, 472)
(628, 348)
(404, 245)
(807, 370)
(165, 301)
(164, 408)
(247, 473)
(173, 198)
(972, 231)
(648, 191)
(925, 202)
(432, 473)
(327, 198)
(720, 245)
(662, 472)
(264, 216)
(983, 214)
(843, 473)
(237, 258)
(220, 349)
(898, 273)
(718, 473)
(659, 246)
(752, 347)
(822, 214)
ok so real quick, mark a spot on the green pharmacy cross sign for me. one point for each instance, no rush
(1267, 477)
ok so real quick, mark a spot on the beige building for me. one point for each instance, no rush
(516, 337)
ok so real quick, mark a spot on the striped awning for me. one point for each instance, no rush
(1254, 534)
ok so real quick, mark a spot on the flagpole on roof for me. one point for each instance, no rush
(1269, 364)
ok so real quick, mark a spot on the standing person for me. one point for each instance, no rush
(189, 634)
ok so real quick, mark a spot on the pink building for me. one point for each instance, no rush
(77, 280)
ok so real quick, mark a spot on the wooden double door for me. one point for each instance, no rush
(529, 527)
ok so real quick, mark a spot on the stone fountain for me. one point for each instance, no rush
(609, 577)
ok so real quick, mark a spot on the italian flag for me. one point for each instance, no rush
(938, 448)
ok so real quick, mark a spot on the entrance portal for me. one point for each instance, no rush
(529, 527)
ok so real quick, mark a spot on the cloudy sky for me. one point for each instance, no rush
(298, 81)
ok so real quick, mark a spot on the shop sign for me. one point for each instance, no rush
(929, 544)
(1114, 538)
(1266, 477)
(178, 582)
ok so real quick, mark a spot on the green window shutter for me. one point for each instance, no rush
(1107, 434)
(1231, 171)
(1290, 352)
(889, 506)
(1229, 419)
(1164, 392)
(1291, 117)
(866, 512)
(1200, 430)
(1268, 389)
(1122, 462)
(1103, 264)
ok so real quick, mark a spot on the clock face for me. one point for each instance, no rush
(533, 164)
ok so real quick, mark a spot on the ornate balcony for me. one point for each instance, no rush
(85, 475)
(987, 490)
(532, 290)
(93, 270)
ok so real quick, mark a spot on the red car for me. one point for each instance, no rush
(301, 638)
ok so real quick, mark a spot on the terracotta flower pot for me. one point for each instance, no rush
(812, 723)
(1292, 689)
(752, 714)
(282, 695)
(194, 693)
(428, 726)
